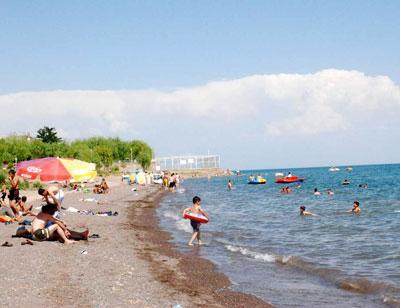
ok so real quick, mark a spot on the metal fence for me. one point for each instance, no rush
(186, 162)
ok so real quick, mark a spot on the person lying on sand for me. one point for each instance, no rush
(356, 208)
(42, 230)
(304, 213)
(195, 209)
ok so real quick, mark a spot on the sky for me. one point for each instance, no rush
(265, 84)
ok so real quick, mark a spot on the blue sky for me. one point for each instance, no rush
(165, 46)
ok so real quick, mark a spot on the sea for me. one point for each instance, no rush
(258, 239)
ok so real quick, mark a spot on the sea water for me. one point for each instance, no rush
(257, 238)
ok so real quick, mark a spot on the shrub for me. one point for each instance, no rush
(3, 177)
(37, 185)
(24, 185)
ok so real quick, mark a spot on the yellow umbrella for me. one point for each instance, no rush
(80, 171)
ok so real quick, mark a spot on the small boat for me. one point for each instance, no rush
(333, 169)
(349, 169)
(289, 179)
(263, 181)
(279, 174)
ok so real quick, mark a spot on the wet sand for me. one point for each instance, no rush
(131, 264)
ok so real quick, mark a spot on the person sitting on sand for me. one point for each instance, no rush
(3, 195)
(316, 192)
(6, 210)
(304, 213)
(49, 197)
(4, 206)
(230, 185)
(56, 231)
(104, 186)
(356, 208)
(195, 209)
(24, 208)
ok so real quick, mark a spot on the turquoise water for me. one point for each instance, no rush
(257, 238)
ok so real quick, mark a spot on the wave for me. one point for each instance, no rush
(249, 253)
(334, 276)
(180, 223)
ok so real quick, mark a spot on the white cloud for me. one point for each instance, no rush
(325, 101)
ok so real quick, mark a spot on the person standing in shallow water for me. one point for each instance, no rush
(230, 185)
(195, 209)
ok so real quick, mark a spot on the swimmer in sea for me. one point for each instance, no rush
(330, 192)
(195, 209)
(304, 213)
(230, 185)
(356, 208)
(316, 192)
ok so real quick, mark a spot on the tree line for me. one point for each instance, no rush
(99, 150)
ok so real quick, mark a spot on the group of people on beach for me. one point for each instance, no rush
(101, 188)
(16, 207)
(172, 181)
(46, 224)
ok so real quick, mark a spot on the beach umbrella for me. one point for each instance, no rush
(80, 171)
(56, 169)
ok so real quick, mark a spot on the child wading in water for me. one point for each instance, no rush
(195, 209)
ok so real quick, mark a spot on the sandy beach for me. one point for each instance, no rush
(131, 264)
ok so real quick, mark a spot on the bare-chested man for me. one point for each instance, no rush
(57, 230)
(14, 190)
(356, 208)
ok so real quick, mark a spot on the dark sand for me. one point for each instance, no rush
(131, 265)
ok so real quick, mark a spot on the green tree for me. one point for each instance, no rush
(48, 135)
(105, 154)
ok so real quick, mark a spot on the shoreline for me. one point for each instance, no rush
(189, 274)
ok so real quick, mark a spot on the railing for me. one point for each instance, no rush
(185, 162)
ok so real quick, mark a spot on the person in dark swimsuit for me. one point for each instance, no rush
(3, 193)
(14, 190)
(4, 208)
